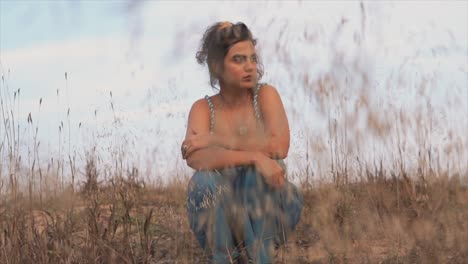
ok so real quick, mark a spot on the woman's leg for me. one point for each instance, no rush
(208, 194)
(251, 190)
(272, 214)
(291, 202)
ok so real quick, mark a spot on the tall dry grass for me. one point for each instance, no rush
(379, 219)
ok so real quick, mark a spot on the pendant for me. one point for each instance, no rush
(242, 130)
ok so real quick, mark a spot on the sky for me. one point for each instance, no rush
(121, 75)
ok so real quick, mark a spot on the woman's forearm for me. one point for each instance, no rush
(218, 157)
(270, 146)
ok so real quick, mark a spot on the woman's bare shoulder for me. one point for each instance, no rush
(268, 93)
(199, 118)
(200, 105)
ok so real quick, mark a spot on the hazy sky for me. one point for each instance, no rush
(143, 53)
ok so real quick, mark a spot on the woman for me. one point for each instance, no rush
(239, 203)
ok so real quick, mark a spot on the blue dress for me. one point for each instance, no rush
(234, 210)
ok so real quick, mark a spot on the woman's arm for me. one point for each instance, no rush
(266, 144)
(211, 158)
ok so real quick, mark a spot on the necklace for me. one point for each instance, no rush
(242, 130)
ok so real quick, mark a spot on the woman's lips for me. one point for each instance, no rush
(247, 78)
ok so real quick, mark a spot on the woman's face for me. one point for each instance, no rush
(240, 65)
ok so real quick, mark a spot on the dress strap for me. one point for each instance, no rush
(258, 115)
(212, 113)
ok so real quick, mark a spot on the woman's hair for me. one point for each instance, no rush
(215, 44)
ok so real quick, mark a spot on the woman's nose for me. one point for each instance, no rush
(248, 65)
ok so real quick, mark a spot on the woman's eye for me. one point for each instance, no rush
(237, 59)
(254, 59)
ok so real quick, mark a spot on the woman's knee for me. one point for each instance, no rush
(253, 179)
(202, 180)
(205, 190)
(201, 184)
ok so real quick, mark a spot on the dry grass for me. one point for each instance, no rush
(378, 220)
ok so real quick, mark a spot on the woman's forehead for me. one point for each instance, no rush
(243, 47)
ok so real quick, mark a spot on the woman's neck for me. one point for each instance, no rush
(233, 97)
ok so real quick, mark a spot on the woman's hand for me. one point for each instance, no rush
(196, 142)
(270, 170)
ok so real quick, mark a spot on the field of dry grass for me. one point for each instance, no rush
(378, 219)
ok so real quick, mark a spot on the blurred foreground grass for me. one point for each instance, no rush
(377, 219)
